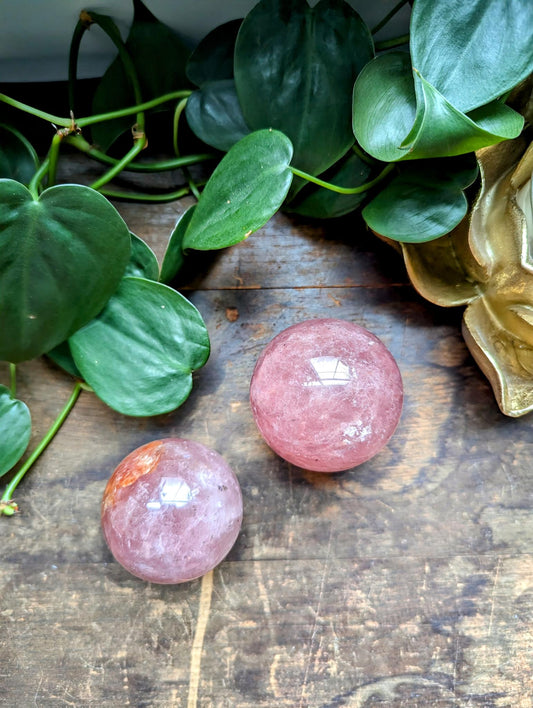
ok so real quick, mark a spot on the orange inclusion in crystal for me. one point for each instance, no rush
(138, 463)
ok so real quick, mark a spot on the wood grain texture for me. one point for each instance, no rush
(406, 582)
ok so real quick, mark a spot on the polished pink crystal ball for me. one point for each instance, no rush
(171, 511)
(326, 394)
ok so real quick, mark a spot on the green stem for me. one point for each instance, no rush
(53, 155)
(145, 106)
(388, 16)
(13, 379)
(90, 120)
(6, 499)
(175, 144)
(192, 184)
(391, 43)
(109, 27)
(48, 167)
(75, 42)
(57, 120)
(138, 145)
(175, 124)
(345, 190)
(37, 177)
(84, 146)
(140, 197)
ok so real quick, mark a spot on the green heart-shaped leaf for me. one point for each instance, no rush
(143, 261)
(441, 130)
(472, 52)
(212, 58)
(384, 106)
(159, 57)
(294, 71)
(15, 424)
(142, 264)
(61, 257)
(424, 201)
(401, 116)
(138, 355)
(18, 159)
(215, 116)
(173, 258)
(247, 187)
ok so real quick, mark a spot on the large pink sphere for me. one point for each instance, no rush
(326, 395)
(171, 511)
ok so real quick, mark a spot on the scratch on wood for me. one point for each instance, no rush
(36, 696)
(263, 595)
(427, 571)
(387, 506)
(204, 607)
(273, 681)
(125, 678)
(315, 623)
(492, 596)
(455, 665)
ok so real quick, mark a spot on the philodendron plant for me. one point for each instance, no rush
(298, 109)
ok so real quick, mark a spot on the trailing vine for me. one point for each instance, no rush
(293, 108)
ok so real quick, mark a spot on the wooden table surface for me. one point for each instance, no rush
(406, 582)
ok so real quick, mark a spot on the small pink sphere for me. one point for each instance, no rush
(326, 395)
(171, 511)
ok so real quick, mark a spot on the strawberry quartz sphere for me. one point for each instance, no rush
(171, 511)
(326, 395)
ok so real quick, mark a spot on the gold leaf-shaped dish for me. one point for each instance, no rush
(486, 263)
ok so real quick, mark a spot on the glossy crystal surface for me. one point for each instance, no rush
(171, 511)
(326, 394)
